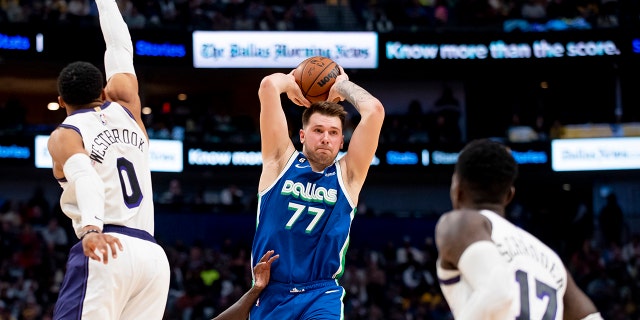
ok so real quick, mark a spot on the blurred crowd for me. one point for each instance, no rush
(440, 123)
(395, 281)
(378, 15)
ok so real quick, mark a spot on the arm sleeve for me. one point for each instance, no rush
(118, 58)
(88, 187)
(491, 280)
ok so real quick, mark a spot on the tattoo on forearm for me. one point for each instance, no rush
(353, 93)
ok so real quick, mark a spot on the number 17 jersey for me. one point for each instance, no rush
(537, 270)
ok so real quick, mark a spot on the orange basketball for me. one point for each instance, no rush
(315, 76)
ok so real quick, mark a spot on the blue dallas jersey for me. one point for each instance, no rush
(305, 216)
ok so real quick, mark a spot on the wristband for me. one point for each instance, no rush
(89, 231)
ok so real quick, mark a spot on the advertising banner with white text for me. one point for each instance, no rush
(262, 49)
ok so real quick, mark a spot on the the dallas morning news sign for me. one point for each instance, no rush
(165, 155)
(279, 49)
(595, 154)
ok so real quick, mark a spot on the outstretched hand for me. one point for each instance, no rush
(103, 243)
(262, 270)
(334, 93)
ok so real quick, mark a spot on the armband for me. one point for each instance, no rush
(89, 190)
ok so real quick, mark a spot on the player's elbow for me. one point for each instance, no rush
(267, 85)
(374, 110)
(378, 108)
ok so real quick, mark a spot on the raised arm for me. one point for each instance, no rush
(364, 141)
(261, 272)
(122, 83)
(274, 131)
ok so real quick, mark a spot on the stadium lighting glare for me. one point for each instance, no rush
(146, 110)
(53, 106)
(182, 96)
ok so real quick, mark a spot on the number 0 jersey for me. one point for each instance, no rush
(305, 216)
(536, 269)
(119, 152)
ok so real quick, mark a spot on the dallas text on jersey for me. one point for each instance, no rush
(310, 192)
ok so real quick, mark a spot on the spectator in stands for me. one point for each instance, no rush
(302, 16)
(611, 220)
(441, 13)
(174, 195)
(54, 236)
(232, 198)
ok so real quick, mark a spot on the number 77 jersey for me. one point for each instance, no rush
(537, 270)
(305, 216)
(119, 152)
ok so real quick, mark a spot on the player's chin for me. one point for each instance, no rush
(326, 155)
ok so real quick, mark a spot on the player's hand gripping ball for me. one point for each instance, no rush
(315, 76)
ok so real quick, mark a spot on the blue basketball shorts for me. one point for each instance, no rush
(319, 300)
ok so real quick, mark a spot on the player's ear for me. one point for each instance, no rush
(454, 191)
(510, 195)
(301, 136)
(61, 102)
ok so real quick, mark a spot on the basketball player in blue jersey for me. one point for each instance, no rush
(489, 268)
(100, 157)
(307, 200)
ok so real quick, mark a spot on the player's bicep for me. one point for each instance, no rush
(577, 305)
(123, 89)
(62, 144)
(274, 131)
(65, 143)
(364, 142)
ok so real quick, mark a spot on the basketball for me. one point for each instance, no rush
(315, 76)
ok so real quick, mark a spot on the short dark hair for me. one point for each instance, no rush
(326, 108)
(487, 169)
(79, 83)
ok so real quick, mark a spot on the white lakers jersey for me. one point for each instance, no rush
(119, 152)
(536, 269)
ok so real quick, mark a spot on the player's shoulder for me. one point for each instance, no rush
(458, 229)
(457, 223)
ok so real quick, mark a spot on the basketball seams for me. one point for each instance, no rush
(315, 76)
(318, 74)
